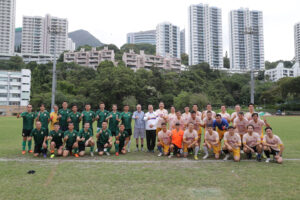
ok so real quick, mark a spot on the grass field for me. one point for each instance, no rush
(140, 175)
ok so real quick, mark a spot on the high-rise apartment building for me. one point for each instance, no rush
(148, 37)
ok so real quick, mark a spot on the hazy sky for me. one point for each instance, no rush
(110, 20)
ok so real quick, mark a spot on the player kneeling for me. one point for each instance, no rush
(40, 137)
(177, 138)
(122, 139)
(273, 145)
(164, 140)
(232, 143)
(56, 137)
(104, 140)
(212, 142)
(252, 143)
(86, 140)
(71, 139)
(190, 141)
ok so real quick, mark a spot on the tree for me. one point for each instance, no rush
(184, 59)
(226, 61)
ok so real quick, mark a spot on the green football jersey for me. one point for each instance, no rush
(43, 118)
(75, 118)
(102, 117)
(126, 119)
(88, 116)
(113, 122)
(64, 117)
(28, 120)
(85, 134)
(122, 136)
(72, 137)
(57, 137)
(104, 136)
(38, 135)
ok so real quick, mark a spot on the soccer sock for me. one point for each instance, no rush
(196, 150)
(29, 144)
(142, 145)
(23, 145)
(92, 149)
(108, 149)
(117, 147)
(205, 149)
(267, 153)
(137, 146)
(159, 149)
(128, 145)
(226, 151)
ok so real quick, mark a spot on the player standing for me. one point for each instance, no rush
(54, 117)
(172, 118)
(208, 108)
(101, 115)
(63, 116)
(195, 108)
(44, 117)
(186, 116)
(74, 117)
(162, 114)
(240, 124)
(248, 114)
(196, 120)
(114, 119)
(151, 121)
(224, 114)
(139, 126)
(234, 115)
(88, 116)
(126, 118)
(28, 120)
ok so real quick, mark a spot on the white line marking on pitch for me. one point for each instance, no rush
(125, 161)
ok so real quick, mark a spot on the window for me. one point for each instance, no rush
(15, 95)
(14, 103)
(3, 87)
(3, 79)
(3, 94)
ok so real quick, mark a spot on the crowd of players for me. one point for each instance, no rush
(175, 133)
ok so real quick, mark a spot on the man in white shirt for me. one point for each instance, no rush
(162, 114)
(208, 108)
(151, 119)
(224, 114)
(235, 114)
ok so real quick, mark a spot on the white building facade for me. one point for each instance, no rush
(136, 61)
(205, 35)
(148, 37)
(15, 87)
(90, 58)
(7, 26)
(297, 41)
(71, 46)
(168, 40)
(246, 40)
(39, 37)
(280, 72)
(182, 41)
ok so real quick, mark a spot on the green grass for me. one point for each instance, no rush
(56, 179)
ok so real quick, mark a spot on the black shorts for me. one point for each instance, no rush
(57, 145)
(69, 147)
(274, 152)
(129, 131)
(26, 133)
(81, 146)
(64, 128)
(121, 145)
(38, 148)
(100, 146)
(176, 149)
(113, 133)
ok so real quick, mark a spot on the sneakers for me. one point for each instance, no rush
(226, 157)
(258, 157)
(76, 155)
(30, 151)
(267, 160)
(107, 153)
(249, 156)
(195, 157)
(128, 150)
(52, 155)
(242, 152)
(117, 153)
(45, 155)
(92, 154)
(142, 149)
(170, 156)
(206, 156)
(160, 154)
(23, 152)
(137, 149)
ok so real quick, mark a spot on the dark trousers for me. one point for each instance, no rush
(151, 138)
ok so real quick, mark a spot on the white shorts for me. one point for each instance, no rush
(139, 132)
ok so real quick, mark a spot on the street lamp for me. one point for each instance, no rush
(54, 30)
(251, 32)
